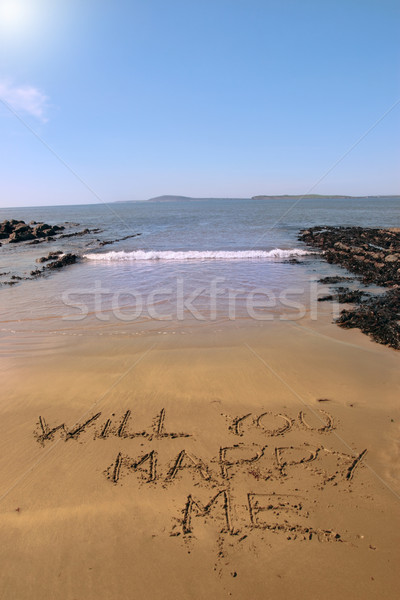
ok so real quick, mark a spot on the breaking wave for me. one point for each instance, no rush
(196, 255)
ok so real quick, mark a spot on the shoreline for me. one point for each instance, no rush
(373, 255)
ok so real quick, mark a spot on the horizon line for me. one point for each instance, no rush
(172, 197)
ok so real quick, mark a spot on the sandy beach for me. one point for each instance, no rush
(231, 460)
(199, 300)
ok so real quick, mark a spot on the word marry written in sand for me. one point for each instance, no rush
(121, 427)
(261, 463)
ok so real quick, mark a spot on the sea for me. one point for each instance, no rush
(205, 261)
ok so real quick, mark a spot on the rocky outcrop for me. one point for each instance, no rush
(127, 237)
(18, 231)
(62, 261)
(50, 256)
(58, 261)
(55, 260)
(344, 295)
(378, 317)
(335, 279)
(373, 255)
(78, 233)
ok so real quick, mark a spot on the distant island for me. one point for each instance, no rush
(169, 198)
(319, 197)
(172, 198)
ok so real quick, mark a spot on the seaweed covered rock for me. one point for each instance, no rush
(345, 296)
(374, 255)
(378, 317)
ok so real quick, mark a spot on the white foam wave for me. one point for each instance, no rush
(138, 255)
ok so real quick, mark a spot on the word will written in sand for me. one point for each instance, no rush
(252, 455)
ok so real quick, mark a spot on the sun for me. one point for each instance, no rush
(13, 13)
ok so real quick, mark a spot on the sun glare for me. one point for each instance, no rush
(13, 14)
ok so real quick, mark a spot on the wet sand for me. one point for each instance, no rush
(227, 460)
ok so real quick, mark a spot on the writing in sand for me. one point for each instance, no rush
(258, 479)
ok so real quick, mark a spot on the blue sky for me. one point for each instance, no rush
(200, 98)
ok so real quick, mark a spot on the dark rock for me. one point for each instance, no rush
(62, 261)
(50, 256)
(378, 318)
(20, 235)
(19, 231)
(77, 233)
(107, 242)
(335, 279)
(7, 227)
(21, 227)
(43, 230)
(293, 261)
(374, 254)
(36, 273)
(345, 295)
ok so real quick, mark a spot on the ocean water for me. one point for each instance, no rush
(208, 260)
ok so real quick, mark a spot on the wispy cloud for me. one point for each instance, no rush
(24, 98)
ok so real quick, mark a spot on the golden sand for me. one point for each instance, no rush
(235, 460)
